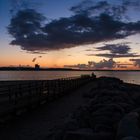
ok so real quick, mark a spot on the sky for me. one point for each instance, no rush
(84, 34)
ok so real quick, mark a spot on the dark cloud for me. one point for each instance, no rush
(80, 30)
(84, 27)
(93, 8)
(26, 29)
(136, 62)
(111, 55)
(17, 5)
(115, 48)
(132, 3)
(34, 59)
(115, 51)
(88, 50)
(81, 7)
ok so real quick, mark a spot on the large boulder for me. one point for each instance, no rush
(128, 126)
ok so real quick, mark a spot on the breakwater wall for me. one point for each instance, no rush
(25, 95)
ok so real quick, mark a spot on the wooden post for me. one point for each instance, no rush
(9, 94)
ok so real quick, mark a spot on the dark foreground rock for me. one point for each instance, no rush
(111, 112)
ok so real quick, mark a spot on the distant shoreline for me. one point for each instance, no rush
(56, 69)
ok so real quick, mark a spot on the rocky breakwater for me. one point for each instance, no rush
(111, 112)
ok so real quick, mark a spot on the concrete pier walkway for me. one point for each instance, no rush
(35, 125)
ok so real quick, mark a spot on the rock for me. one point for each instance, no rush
(102, 128)
(128, 126)
(58, 135)
(71, 125)
(87, 136)
(130, 138)
(106, 113)
(85, 130)
(103, 120)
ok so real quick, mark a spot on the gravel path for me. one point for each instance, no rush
(36, 124)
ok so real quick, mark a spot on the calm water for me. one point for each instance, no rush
(131, 77)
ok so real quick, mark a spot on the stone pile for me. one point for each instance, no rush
(111, 112)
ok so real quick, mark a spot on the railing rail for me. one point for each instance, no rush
(15, 95)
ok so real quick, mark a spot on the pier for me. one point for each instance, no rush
(18, 96)
(100, 109)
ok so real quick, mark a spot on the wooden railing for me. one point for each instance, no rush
(18, 95)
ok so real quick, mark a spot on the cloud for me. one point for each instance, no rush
(123, 65)
(34, 59)
(110, 55)
(119, 66)
(17, 5)
(134, 3)
(89, 50)
(79, 66)
(103, 64)
(136, 62)
(115, 51)
(29, 30)
(118, 11)
(36, 52)
(115, 48)
(26, 29)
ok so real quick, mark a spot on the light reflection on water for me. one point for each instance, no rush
(127, 76)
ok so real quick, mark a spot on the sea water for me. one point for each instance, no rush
(127, 76)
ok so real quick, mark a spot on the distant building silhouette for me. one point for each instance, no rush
(37, 67)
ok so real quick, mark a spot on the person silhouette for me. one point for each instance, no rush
(93, 75)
